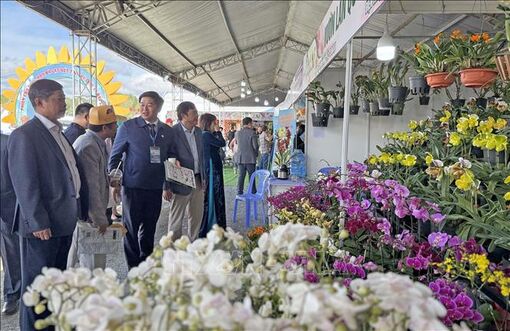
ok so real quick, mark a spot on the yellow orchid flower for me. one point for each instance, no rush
(455, 139)
(507, 196)
(507, 180)
(465, 182)
(500, 124)
(429, 158)
(385, 158)
(409, 160)
(446, 117)
(372, 159)
(413, 124)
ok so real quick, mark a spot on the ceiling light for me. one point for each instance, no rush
(266, 103)
(243, 95)
(385, 47)
(257, 99)
(243, 83)
(276, 99)
(242, 89)
(248, 92)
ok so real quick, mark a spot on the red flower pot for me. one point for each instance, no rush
(477, 77)
(440, 79)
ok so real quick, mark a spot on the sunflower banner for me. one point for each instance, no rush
(59, 67)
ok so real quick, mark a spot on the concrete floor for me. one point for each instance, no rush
(117, 261)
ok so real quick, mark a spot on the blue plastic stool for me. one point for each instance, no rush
(262, 178)
(326, 171)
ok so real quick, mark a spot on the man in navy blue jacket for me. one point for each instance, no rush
(145, 143)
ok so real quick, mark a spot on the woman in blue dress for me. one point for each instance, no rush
(214, 198)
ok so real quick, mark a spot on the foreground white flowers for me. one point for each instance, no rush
(217, 283)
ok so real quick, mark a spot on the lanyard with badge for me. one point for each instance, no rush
(155, 151)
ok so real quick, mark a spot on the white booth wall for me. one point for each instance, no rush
(325, 143)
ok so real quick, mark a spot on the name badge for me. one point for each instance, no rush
(155, 154)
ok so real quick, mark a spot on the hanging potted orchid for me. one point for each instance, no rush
(338, 98)
(397, 92)
(473, 55)
(365, 87)
(381, 82)
(432, 61)
(355, 95)
(321, 104)
(417, 83)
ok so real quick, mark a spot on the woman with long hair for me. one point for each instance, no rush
(214, 201)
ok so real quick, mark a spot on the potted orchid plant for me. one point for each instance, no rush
(433, 62)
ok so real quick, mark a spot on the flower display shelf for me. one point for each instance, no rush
(440, 79)
(503, 64)
(477, 77)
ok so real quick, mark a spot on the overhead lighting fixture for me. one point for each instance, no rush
(276, 99)
(248, 92)
(243, 83)
(386, 47)
(257, 99)
(266, 103)
(242, 89)
(243, 95)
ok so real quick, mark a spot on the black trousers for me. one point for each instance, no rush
(36, 254)
(140, 213)
(243, 168)
(11, 258)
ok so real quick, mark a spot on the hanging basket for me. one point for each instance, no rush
(503, 64)
(338, 112)
(397, 108)
(477, 77)
(418, 85)
(353, 110)
(319, 121)
(440, 79)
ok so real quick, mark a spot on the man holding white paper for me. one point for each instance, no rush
(187, 203)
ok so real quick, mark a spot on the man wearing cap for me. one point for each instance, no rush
(50, 190)
(143, 143)
(92, 151)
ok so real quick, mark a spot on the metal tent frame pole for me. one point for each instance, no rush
(347, 104)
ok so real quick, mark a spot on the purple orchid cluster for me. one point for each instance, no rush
(293, 196)
(354, 267)
(302, 261)
(458, 304)
(362, 196)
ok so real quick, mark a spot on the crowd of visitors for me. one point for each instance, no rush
(54, 181)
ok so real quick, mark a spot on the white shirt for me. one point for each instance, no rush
(56, 132)
(190, 136)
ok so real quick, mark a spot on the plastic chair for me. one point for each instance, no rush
(262, 179)
(326, 171)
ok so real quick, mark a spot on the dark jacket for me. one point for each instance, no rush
(8, 198)
(132, 145)
(42, 182)
(183, 155)
(73, 132)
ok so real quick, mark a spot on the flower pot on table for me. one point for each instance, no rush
(365, 106)
(384, 103)
(440, 79)
(374, 108)
(477, 77)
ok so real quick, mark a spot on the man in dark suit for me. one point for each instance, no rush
(50, 192)
(186, 203)
(9, 243)
(80, 122)
(248, 149)
(145, 143)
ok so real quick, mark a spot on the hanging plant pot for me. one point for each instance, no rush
(354, 110)
(384, 103)
(322, 108)
(374, 108)
(365, 106)
(477, 77)
(319, 121)
(424, 100)
(440, 79)
(385, 111)
(397, 93)
(338, 112)
(418, 85)
(397, 108)
(503, 65)
(481, 102)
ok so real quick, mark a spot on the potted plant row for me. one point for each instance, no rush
(319, 97)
